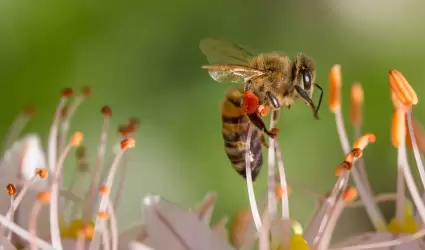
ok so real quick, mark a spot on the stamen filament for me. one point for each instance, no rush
(33, 224)
(114, 226)
(286, 221)
(418, 159)
(249, 185)
(272, 205)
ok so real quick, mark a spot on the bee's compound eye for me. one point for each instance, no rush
(306, 79)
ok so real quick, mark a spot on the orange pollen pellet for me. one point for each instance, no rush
(106, 111)
(364, 140)
(30, 110)
(350, 194)
(251, 102)
(103, 215)
(357, 152)
(77, 139)
(11, 189)
(128, 143)
(43, 197)
(398, 128)
(356, 103)
(85, 91)
(335, 88)
(104, 189)
(402, 89)
(67, 92)
(263, 110)
(64, 111)
(42, 173)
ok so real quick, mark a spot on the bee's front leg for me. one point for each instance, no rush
(259, 123)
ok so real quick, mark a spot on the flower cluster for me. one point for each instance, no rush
(38, 212)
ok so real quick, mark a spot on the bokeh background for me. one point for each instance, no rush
(142, 58)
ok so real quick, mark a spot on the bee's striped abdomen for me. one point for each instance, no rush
(235, 124)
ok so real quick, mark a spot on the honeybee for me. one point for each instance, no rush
(272, 78)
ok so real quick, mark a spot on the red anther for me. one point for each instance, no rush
(85, 91)
(128, 143)
(67, 92)
(106, 111)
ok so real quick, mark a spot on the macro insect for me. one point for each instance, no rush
(271, 80)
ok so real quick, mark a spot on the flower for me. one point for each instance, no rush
(37, 211)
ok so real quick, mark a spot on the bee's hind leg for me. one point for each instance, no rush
(259, 123)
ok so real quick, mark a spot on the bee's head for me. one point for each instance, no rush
(304, 79)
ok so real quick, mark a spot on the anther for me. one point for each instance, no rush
(346, 165)
(335, 88)
(106, 111)
(77, 139)
(43, 197)
(350, 194)
(11, 189)
(364, 140)
(128, 143)
(87, 230)
(67, 92)
(104, 189)
(85, 91)
(398, 128)
(402, 89)
(30, 110)
(356, 103)
(42, 173)
(103, 215)
(357, 152)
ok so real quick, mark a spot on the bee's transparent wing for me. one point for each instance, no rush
(232, 73)
(224, 52)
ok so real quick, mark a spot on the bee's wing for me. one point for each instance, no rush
(232, 72)
(224, 52)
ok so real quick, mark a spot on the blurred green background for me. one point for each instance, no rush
(142, 58)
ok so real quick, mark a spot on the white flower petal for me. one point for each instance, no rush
(181, 228)
(137, 233)
(376, 237)
(26, 151)
(138, 246)
(206, 208)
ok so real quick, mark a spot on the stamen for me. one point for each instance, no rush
(104, 200)
(398, 135)
(249, 184)
(286, 222)
(18, 125)
(335, 88)
(419, 135)
(42, 198)
(114, 226)
(76, 140)
(416, 153)
(272, 205)
(356, 104)
(402, 90)
(106, 111)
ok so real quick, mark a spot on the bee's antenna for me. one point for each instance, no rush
(305, 96)
(320, 98)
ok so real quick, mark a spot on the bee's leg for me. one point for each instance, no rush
(264, 142)
(259, 123)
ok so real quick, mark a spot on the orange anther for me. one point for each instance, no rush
(29, 110)
(128, 143)
(67, 92)
(85, 91)
(43, 197)
(364, 140)
(402, 89)
(11, 189)
(398, 128)
(106, 111)
(350, 194)
(347, 165)
(251, 102)
(87, 230)
(357, 152)
(77, 139)
(339, 170)
(349, 157)
(104, 189)
(419, 133)
(335, 88)
(356, 103)
(103, 215)
(42, 173)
